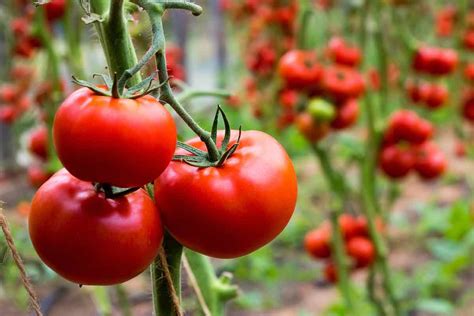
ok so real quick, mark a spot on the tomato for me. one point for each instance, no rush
(468, 106)
(361, 250)
(469, 72)
(38, 142)
(8, 114)
(232, 210)
(318, 242)
(342, 83)
(122, 142)
(437, 97)
(460, 149)
(330, 272)
(8, 93)
(468, 40)
(55, 9)
(37, 176)
(348, 225)
(312, 130)
(430, 161)
(342, 53)
(396, 161)
(405, 125)
(346, 114)
(435, 60)
(89, 239)
(288, 98)
(262, 58)
(300, 69)
(20, 26)
(361, 227)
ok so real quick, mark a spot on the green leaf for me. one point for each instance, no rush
(227, 130)
(215, 123)
(145, 83)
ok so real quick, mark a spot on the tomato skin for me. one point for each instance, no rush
(312, 130)
(342, 83)
(342, 53)
(91, 240)
(437, 96)
(468, 40)
(396, 162)
(346, 114)
(435, 61)
(361, 250)
(8, 114)
(468, 106)
(300, 69)
(318, 242)
(330, 272)
(232, 210)
(38, 142)
(430, 161)
(407, 126)
(122, 142)
(37, 176)
(469, 71)
(55, 9)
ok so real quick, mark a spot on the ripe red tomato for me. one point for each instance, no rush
(288, 99)
(8, 114)
(89, 239)
(55, 9)
(300, 69)
(435, 61)
(405, 125)
(8, 93)
(437, 96)
(396, 161)
(469, 72)
(468, 40)
(38, 142)
(122, 142)
(346, 114)
(318, 242)
(230, 211)
(313, 131)
(430, 161)
(361, 250)
(330, 272)
(468, 106)
(37, 176)
(342, 53)
(342, 83)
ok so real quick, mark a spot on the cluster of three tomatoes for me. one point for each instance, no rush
(86, 229)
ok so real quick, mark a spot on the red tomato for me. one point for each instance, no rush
(348, 225)
(8, 114)
(300, 69)
(89, 239)
(311, 130)
(342, 83)
(55, 9)
(330, 272)
(122, 142)
(230, 211)
(342, 53)
(430, 161)
(468, 106)
(469, 72)
(8, 93)
(318, 242)
(396, 161)
(37, 176)
(38, 142)
(468, 40)
(361, 250)
(288, 98)
(405, 125)
(346, 114)
(435, 60)
(437, 97)
(460, 149)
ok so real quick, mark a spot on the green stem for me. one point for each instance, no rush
(115, 38)
(337, 185)
(162, 303)
(382, 58)
(123, 300)
(72, 33)
(215, 291)
(371, 287)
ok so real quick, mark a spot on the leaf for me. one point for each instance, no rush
(227, 130)
(437, 306)
(215, 123)
(191, 149)
(145, 83)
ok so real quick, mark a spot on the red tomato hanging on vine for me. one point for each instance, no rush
(232, 210)
(89, 239)
(122, 142)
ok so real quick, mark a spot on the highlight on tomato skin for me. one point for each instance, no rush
(89, 239)
(232, 210)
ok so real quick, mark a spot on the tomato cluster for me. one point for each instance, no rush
(430, 95)
(358, 245)
(406, 146)
(321, 97)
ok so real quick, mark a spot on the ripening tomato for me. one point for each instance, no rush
(90, 239)
(361, 250)
(430, 161)
(330, 272)
(37, 176)
(362, 227)
(300, 69)
(38, 142)
(122, 142)
(435, 60)
(232, 210)
(396, 161)
(405, 125)
(346, 114)
(318, 242)
(342, 53)
(342, 83)
(312, 130)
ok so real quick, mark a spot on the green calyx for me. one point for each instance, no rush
(321, 110)
(115, 90)
(112, 192)
(200, 158)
